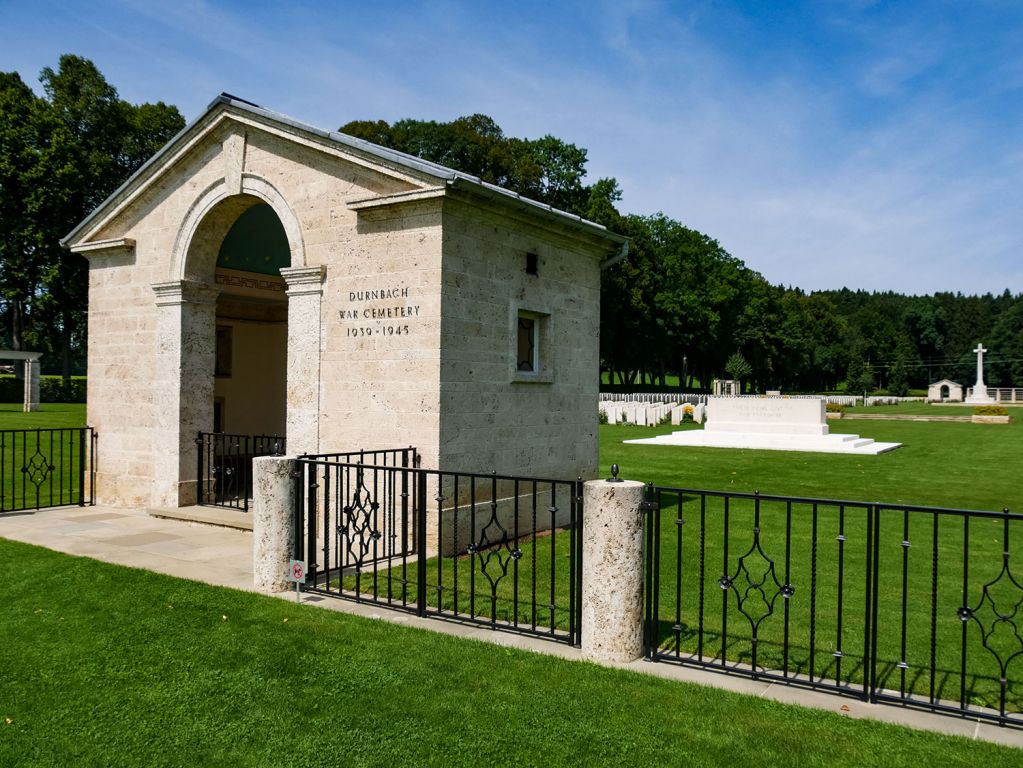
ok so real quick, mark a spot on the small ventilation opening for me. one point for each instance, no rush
(532, 264)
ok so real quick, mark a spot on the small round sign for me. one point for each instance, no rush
(296, 571)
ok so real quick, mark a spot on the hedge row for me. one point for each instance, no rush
(52, 389)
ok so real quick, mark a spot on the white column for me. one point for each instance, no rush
(980, 368)
(273, 522)
(31, 371)
(612, 592)
(305, 294)
(186, 349)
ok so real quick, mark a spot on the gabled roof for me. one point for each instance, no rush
(945, 381)
(416, 166)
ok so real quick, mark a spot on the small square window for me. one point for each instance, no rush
(531, 346)
(528, 345)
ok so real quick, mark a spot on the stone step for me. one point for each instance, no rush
(218, 516)
(901, 417)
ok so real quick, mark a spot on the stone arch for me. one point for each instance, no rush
(190, 308)
(211, 215)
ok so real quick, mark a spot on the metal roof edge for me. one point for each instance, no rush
(425, 167)
(495, 192)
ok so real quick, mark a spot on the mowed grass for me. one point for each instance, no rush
(944, 464)
(49, 416)
(972, 466)
(530, 592)
(109, 666)
(40, 468)
(940, 464)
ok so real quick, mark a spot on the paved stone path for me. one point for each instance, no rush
(220, 556)
(223, 557)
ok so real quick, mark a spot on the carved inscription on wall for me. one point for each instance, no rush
(385, 311)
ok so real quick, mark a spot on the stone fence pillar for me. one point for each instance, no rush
(273, 522)
(612, 592)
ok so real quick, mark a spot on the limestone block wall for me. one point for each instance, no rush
(493, 418)
(120, 365)
(125, 405)
(402, 315)
(133, 410)
(380, 366)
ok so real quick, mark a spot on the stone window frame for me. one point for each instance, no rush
(543, 330)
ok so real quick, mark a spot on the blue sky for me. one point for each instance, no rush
(835, 143)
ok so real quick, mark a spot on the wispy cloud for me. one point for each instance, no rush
(850, 143)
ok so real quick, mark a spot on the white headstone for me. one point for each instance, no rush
(676, 414)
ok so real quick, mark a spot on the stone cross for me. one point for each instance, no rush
(979, 386)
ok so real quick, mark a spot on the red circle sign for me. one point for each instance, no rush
(296, 571)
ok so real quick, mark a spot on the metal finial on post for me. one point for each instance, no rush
(614, 475)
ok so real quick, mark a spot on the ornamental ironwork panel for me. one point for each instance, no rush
(499, 551)
(47, 468)
(917, 606)
(224, 466)
(358, 531)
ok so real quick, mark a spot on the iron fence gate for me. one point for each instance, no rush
(224, 468)
(47, 468)
(495, 550)
(908, 605)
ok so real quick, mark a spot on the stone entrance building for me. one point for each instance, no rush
(260, 276)
(943, 390)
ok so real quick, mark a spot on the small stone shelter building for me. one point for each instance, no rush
(945, 390)
(261, 276)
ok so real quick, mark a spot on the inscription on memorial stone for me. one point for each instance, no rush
(379, 312)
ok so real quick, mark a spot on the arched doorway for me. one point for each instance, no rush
(251, 344)
(227, 324)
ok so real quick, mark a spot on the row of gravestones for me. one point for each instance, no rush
(649, 414)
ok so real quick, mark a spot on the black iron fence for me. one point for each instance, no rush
(914, 606)
(488, 549)
(388, 457)
(47, 468)
(225, 466)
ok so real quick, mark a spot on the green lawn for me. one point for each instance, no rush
(921, 409)
(49, 416)
(109, 666)
(940, 464)
(39, 468)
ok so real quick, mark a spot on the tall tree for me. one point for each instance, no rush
(84, 142)
(20, 269)
(545, 169)
(680, 300)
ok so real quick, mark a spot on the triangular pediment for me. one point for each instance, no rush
(219, 129)
(390, 177)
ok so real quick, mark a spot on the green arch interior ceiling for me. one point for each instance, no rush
(256, 243)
